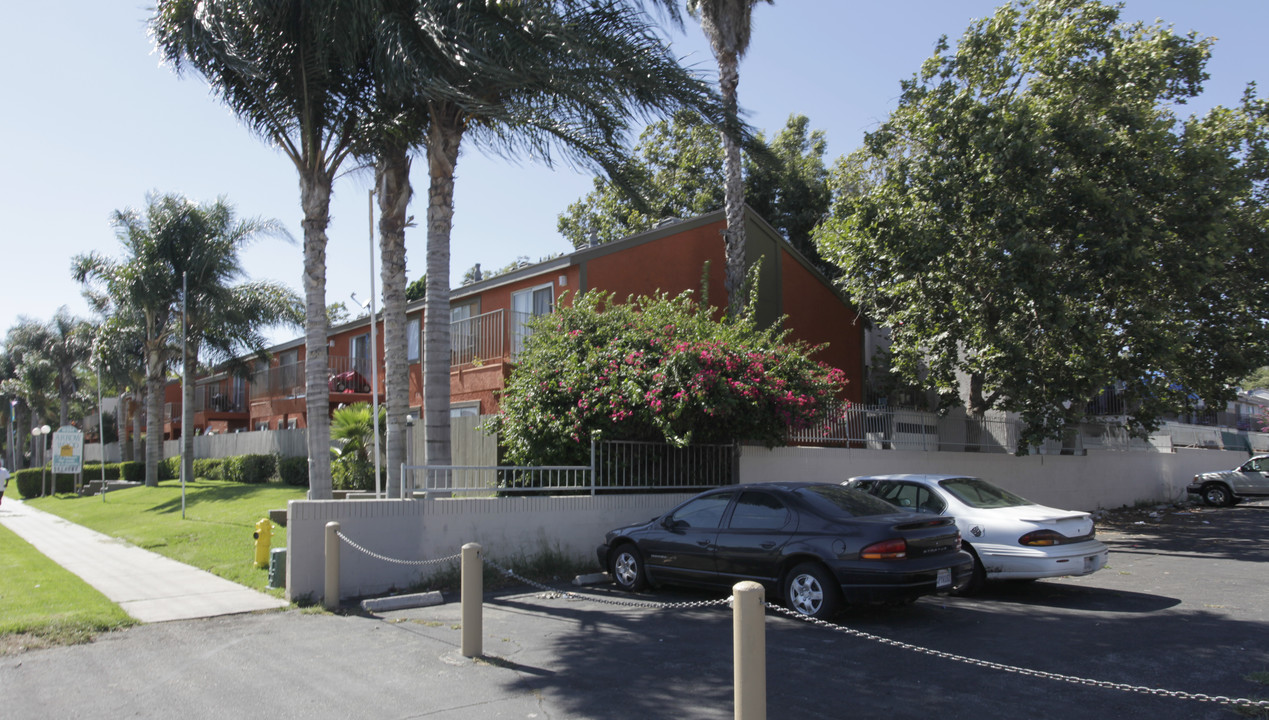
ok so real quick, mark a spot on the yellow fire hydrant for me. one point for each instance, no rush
(264, 539)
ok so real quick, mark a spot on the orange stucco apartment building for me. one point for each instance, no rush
(488, 329)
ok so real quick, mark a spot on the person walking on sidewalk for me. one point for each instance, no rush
(4, 480)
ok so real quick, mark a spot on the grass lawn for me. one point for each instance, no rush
(42, 604)
(215, 535)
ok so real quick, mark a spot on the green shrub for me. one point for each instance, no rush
(170, 468)
(92, 471)
(293, 471)
(350, 472)
(132, 471)
(248, 468)
(210, 468)
(28, 482)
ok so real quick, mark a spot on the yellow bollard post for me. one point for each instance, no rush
(330, 599)
(749, 641)
(473, 591)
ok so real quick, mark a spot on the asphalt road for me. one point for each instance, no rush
(1183, 605)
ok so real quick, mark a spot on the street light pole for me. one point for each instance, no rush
(101, 431)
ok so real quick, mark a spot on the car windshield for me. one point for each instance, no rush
(835, 499)
(981, 494)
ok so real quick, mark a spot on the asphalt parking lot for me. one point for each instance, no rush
(1183, 606)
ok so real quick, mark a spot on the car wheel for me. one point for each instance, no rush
(977, 577)
(626, 567)
(339, 386)
(809, 590)
(1217, 495)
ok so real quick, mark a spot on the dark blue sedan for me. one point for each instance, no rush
(817, 546)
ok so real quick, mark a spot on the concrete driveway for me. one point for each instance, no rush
(1184, 605)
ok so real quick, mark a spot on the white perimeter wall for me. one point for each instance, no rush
(519, 527)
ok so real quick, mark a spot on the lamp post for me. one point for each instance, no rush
(38, 433)
(13, 434)
(374, 375)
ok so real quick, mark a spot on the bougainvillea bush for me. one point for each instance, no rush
(658, 369)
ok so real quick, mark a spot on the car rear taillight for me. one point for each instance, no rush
(1043, 538)
(896, 549)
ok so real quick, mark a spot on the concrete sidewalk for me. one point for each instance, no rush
(148, 586)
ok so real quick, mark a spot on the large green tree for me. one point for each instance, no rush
(1034, 223)
(678, 172)
(297, 73)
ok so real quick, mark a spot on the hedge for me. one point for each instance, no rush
(92, 471)
(249, 468)
(209, 468)
(32, 481)
(293, 471)
(132, 471)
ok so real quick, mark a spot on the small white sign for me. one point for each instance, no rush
(68, 450)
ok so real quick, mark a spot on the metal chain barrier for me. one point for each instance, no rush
(1139, 689)
(557, 593)
(720, 602)
(387, 559)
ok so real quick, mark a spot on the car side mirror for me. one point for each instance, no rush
(671, 524)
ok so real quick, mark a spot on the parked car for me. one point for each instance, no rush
(1010, 538)
(817, 546)
(1251, 479)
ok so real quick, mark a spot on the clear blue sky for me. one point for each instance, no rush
(92, 122)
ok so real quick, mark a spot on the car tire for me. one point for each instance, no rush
(626, 567)
(1217, 495)
(810, 590)
(339, 386)
(977, 577)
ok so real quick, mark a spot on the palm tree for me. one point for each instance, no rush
(727, 23)
(69, 346)
(30, 376)
(519, 78)
(297, 73)
(143, 286)
(223, 319)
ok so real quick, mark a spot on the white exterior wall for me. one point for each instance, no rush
(507, 528)
(513, 527)
(1073, 482)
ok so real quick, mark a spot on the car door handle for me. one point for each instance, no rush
(704, 543)
(768, 545)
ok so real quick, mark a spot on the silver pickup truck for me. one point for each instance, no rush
(1251, 479)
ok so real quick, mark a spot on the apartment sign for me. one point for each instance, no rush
(68, 450)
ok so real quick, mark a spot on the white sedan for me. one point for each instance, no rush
(1009, 537)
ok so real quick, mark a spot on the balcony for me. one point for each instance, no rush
(220, 396)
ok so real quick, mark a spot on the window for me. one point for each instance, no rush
(413, 338)
(262, 425)
(463, 333)
(705, 512)
(465, 409)
(525, 305)
(359, 351)
(292, 423)
(758, 511)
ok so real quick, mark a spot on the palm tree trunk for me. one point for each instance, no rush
(392, 180)
(22, 437)
(137, 451)
(315, 189)
(445, 134)
(154, 381)
(734, 188)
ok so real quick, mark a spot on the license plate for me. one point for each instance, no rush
(945, 578)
